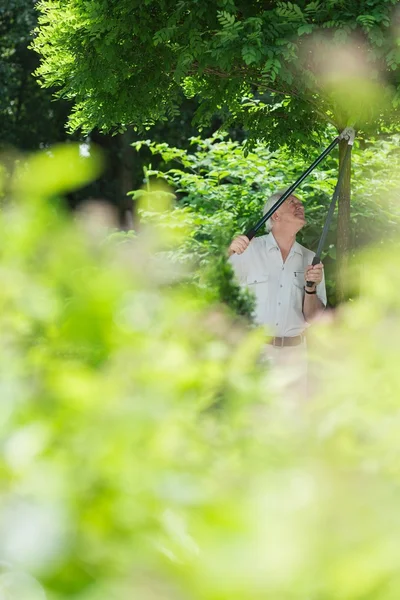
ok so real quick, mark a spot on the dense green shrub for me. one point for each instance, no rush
(221, 192)
(121, 477)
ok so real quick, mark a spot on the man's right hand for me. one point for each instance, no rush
(239, 245)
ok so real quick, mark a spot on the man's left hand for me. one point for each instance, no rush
(314, 273)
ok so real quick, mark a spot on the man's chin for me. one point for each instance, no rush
(302, 221)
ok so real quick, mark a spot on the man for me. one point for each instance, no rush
(276, 267)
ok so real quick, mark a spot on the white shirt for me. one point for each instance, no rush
(278, 286)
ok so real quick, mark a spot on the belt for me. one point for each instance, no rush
(280, 342)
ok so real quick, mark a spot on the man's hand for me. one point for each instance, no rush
(315, 274)
(239, 245)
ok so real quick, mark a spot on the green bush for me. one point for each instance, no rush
(142, 454)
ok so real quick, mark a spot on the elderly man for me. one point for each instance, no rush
(276, 268)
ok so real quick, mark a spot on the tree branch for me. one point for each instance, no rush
(242, 72)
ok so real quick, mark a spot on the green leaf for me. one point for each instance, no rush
(305, 29)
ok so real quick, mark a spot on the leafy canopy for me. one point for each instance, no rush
(132, 62)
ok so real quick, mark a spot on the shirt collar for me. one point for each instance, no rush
(271, 243)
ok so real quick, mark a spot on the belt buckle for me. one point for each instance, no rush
(281, 344)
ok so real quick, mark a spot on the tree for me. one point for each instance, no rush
(29, 117)
(267, 66)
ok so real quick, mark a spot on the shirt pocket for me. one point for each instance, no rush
(258, 279)
(257, 283)
(297, 295)
(298, 279)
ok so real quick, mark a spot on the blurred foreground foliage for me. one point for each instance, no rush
(143, 455)
(221, 192)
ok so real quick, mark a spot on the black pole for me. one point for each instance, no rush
(251, 232)
(317, 257)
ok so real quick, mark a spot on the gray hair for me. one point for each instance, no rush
(269, 204)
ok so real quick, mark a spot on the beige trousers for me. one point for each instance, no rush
(288, 371)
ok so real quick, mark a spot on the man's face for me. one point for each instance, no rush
(292, 213)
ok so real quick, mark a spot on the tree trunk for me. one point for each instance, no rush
(343, 230)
